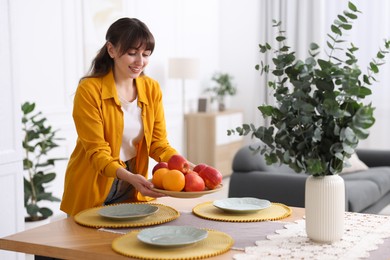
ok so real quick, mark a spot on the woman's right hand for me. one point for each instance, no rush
(139, 182)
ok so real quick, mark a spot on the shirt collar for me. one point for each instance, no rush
(109, 89)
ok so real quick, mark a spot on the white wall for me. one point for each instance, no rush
(240, 32)
(11, 165)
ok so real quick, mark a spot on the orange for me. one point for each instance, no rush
(174, 180)
(158, 177)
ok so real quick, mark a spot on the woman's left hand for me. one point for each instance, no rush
(144, 186)
(139, 182)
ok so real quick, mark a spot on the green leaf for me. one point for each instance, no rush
(314, 166)
(346, 26)
(342, 18)
(284, 48)
(350, 15)
(330, 45)
(263, 48)
(366, 80)
(335, 30)
(46, 212)
(47, 196)
(266, 110)
(28, 107)
(352, 7)
(32, 209)
(278, 72)
(314, 46)
(310, 61)
(324, 85)
(380, 55)
(324, 64)
(374, 67)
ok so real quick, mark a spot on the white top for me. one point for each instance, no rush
(133, 129)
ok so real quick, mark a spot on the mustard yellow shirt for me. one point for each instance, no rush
(99, 123)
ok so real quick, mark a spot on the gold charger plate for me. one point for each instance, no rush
(216, 243)
(188, 194)
(275, 212)
(92, 218)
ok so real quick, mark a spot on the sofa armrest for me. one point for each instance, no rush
(373, 157)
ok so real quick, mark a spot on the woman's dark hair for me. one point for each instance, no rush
(125, 34)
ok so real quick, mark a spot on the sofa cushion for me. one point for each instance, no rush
(361, 194)
(355, 165)
(379, 175)
(367, 187)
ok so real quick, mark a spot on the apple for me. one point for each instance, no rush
(159, 165)
(194, 182)
(199, 167)
(192, 171)
(211, 176)
(178, 162)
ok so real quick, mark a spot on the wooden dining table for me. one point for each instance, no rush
(65, 239)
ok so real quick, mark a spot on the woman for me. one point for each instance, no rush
(119, 118)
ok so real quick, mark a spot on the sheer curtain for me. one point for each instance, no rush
(307, 21)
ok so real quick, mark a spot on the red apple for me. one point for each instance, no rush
(199, 167)
(211, 176)
(194, 182)
(178, 162)
(159, 165)
(192, 171)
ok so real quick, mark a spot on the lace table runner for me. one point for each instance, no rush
(363, 234)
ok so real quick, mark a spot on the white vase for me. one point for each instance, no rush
(325, 207)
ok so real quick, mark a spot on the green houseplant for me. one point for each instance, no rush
(319, 116)
(223, 86)
(318, 119)
(39, 139)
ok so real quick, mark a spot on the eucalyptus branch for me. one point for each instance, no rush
(318, 119)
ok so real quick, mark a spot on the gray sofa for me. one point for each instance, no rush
(366, 191)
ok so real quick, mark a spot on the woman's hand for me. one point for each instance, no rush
(139, 182)
(144, 186)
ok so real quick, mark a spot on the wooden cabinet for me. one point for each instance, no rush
(207, 140)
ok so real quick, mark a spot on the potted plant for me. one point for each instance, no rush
(39, 139)
(319, 116)
(224, 86)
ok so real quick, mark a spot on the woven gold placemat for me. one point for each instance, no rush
(91, 218)
(208, 211)
(215, 244)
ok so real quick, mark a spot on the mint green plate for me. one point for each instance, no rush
(242, 205)
(127, 211)
(172, 236)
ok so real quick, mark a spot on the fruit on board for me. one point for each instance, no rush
(199, 167)
(173, 180)
(178, 162)
(194, 182)
(211, 176)
(158, 176)
(159, 165)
